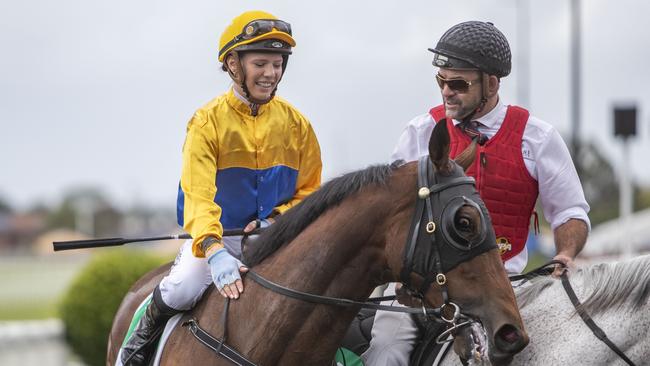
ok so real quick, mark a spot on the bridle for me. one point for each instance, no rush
(430, 227)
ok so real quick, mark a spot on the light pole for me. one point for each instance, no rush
(575, 83)
(523, 52)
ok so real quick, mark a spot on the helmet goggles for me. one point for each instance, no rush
(257, 28)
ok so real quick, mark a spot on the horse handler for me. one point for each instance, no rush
(518, 158)
(248, 156)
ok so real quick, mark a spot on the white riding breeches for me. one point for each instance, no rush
(187, 279)
(394, 336)
(190, 276)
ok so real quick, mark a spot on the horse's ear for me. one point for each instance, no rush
(439, 147)
(467, 157)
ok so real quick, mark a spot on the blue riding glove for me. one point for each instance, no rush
(224, 268)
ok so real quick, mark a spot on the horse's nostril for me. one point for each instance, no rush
(510, 335)
(510, 339)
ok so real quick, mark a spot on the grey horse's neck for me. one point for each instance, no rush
(601, 286)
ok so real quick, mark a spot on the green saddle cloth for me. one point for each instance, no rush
(345, 357)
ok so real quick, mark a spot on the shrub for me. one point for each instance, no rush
(89, 305)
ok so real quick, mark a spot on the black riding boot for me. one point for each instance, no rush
(138, 349)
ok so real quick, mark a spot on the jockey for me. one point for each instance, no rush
(248, 156)
(518, 158)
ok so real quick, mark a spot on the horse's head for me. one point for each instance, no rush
(451, 256)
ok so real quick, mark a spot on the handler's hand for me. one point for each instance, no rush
(568, 262)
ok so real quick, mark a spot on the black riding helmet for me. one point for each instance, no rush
(474, 45)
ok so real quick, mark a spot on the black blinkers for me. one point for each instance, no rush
(435, 245)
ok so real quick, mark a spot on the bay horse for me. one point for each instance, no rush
(356, 232)
(614, 295)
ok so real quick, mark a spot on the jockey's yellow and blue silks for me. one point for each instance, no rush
(238, 167)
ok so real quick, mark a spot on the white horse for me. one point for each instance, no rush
(615, 295)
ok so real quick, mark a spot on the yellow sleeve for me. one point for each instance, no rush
(309, 172)
(198, 182)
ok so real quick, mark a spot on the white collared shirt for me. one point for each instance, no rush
(546, 157)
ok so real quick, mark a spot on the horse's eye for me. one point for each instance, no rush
(464, 224)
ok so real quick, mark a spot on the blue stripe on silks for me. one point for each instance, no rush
(247, 194)
(180, 206)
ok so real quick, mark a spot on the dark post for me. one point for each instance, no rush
(625, 121)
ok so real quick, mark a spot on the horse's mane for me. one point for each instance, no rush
(619, 284)
(292, 222)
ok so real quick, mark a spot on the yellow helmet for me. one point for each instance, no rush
(248, 30)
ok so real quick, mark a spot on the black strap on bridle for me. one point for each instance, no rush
(326, 300)
(424, 207)
(589, 321)
(547, 269)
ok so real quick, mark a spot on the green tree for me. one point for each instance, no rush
(600, 184)
(5, 207)
(90, 303)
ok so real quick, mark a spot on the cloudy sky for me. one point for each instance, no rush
(97, 93)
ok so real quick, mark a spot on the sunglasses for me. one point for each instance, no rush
(263, 26)
(457, 85)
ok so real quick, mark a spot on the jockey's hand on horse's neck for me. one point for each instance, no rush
(570, 238)
(233, 290)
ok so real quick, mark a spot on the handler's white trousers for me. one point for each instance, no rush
(190, 276)
(394, 336)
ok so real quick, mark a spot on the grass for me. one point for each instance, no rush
(25, 309)
(30, 287)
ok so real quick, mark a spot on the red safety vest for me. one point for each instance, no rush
(502, 180)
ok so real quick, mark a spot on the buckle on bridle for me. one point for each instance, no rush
(441, 279)
(456, 313)
(431, 227)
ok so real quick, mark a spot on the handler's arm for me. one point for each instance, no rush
(562, 198)
(570, 238)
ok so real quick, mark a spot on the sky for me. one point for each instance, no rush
(97, 93)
